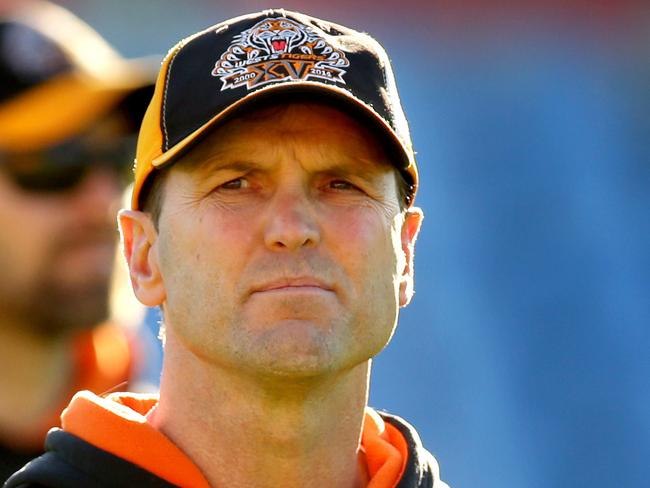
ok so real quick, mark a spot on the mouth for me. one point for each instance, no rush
(279, 45)
(298, 284)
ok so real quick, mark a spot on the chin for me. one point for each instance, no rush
(294, 349)
(296, 369)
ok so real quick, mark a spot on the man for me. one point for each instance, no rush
(272, 222)
(69, 109)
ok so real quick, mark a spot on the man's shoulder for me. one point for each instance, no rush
(71, 462)
(422, 470)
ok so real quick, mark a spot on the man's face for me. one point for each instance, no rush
(57, 246)
(281, 244)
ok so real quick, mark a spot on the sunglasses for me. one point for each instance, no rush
(61, 168)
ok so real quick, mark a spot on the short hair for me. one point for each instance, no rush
(152, 194)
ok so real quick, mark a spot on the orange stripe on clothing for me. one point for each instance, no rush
(117, 424)
(386, 451)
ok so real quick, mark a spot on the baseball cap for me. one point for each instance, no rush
(272, 55)
(58, 76)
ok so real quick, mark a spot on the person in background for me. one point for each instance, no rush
(69, 110)
(272, 220)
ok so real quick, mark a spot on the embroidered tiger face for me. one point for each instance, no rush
(278, 35)
(278, 49)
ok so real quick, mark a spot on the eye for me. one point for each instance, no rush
(236, 184)
(342, 185)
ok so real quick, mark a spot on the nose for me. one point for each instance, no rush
(292, 222)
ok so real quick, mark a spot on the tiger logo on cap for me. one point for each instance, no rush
(279, 49)
(278, 35)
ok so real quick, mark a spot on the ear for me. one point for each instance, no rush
(139, 243)
(410, 229)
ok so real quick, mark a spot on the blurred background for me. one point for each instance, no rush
(524, 359)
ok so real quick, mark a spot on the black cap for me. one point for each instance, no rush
(274, 53)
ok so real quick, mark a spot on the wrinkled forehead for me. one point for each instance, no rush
(346, 144)
(322, 127)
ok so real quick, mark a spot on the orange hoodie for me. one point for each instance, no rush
(118, 424)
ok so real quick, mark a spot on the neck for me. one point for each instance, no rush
(242, 431)
(35, 370)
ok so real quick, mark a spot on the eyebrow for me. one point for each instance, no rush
(349, 169)
(356, 168)
(216, 163)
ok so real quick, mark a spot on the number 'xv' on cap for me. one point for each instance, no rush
(214, 74)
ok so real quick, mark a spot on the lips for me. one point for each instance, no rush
(292, 284)
(279, 44)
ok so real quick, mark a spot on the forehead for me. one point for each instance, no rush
(327, 132)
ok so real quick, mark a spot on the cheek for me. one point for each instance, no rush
(190, 286)
(365, 244)
(200, 260)
(371, 269)
(365, 237)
